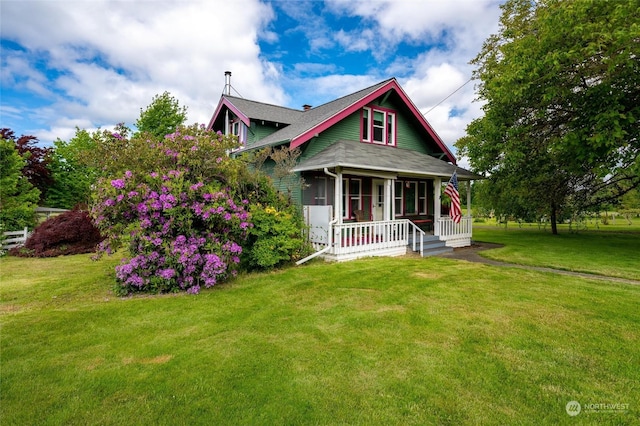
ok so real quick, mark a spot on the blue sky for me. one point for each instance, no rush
(94, 63)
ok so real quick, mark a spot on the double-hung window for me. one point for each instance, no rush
(398, 198)
(378, 126)
(422, 197)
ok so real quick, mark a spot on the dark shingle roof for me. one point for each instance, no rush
(315, 116)
(262, 111)
(366, 156)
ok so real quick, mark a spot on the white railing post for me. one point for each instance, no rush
(417, 231)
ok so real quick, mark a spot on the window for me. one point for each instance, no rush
(422, 198)
(351, 197)
(239, 129)
(365, 124)
(410, 198)
(378, 126)
(321, 191)
(398, 198)
(355, 195)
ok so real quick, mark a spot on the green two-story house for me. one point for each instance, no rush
(370, 173)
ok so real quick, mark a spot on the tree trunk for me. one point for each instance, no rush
(554, 219)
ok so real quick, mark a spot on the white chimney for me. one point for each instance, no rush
(227, 82)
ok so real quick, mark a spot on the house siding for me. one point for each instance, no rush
(289, 185)
(347, 129)
(408, 134)
(257, 132)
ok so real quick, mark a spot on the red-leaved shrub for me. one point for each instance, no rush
(71, 232)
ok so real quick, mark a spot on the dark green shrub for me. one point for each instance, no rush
(276, 238)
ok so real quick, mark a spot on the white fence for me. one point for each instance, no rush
(13, 239)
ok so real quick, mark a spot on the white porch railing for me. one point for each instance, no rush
(387, 238)
(370, 237)
(455, 234)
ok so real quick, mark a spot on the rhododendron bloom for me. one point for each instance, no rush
(118, 183)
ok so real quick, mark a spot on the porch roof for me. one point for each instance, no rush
(366, 156)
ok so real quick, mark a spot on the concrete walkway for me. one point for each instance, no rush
(470, 254)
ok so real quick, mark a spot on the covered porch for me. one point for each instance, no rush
(356, 210)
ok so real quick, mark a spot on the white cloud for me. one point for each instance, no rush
(112, 57)
(431, 85)
(319, 90)
(455, 29)
(356, 41)
(17, 71)
(109, 58)
(423, 20)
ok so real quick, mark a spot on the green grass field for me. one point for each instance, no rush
(610, 253)
(375, 341)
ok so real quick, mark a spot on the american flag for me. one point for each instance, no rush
(452, 191)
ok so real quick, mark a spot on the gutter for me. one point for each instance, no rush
(331, 223)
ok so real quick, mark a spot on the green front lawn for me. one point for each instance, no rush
(615, 254)
(376, 341)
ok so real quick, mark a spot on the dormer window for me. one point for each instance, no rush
(238, 128)
(378, 126)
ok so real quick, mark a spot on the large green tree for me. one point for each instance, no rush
(73, 178)
(561, 82)
(37, 159)
(18, 197)
(162, 117)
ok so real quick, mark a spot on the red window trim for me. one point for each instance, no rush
(386, 111)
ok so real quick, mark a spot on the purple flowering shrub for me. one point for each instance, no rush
(182, 222)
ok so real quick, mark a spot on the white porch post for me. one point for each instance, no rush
(392, 194)
(337, 215)
(388, 200)
(468, 198)
(437, 183)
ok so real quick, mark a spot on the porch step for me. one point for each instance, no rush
(432, 246)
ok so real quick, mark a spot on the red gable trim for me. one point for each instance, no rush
(225, 102)
(392, 84)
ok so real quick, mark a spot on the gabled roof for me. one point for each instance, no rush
(304, 125)
(318, 119)
(366, 156)
(246, 110)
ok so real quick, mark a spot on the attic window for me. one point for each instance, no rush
(378, 126)
(238, 128)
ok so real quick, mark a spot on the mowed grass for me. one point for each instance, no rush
(614, 254)
(376, 341)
